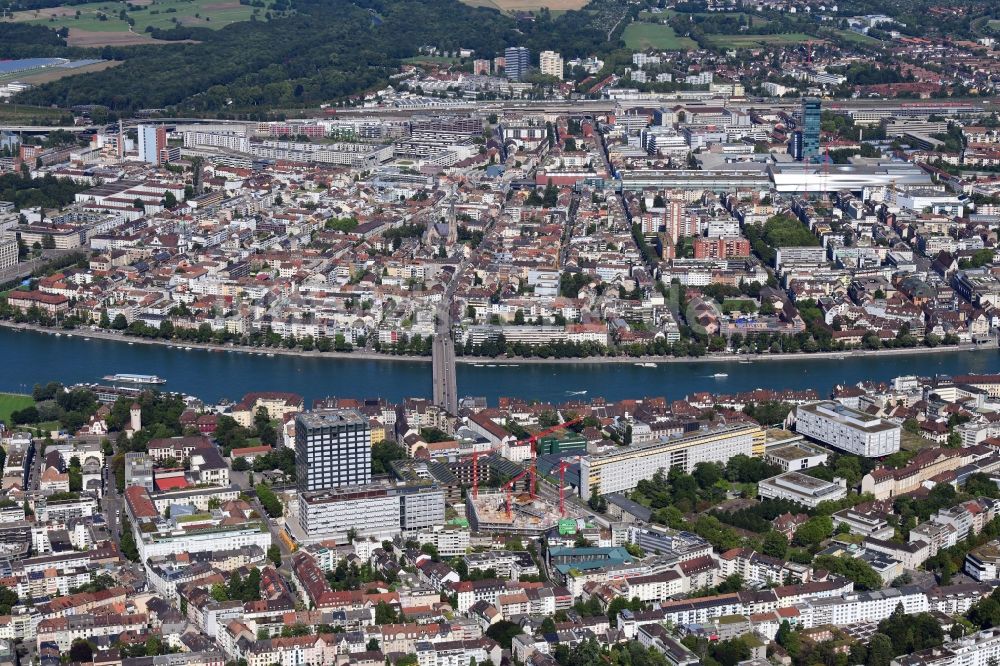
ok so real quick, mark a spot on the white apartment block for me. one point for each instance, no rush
(197, 541)
(229, 140)
(622, 469)
(8, 253)
(863, 606)
(381, 511)
(550, 63)
(802, 488)
(847, 429)
(458, 653)
(983, 562)
(978, 649)
(449, 541)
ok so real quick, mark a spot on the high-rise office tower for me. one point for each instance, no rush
(152, 140)
(333, 448)
(811, 120)
(517, 59)
(550, 63)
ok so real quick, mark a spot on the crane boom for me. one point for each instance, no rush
(532, 469)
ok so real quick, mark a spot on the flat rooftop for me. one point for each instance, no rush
(793, 452)
(331, 418)
(804, 485)
(801, 480)
(849, 417)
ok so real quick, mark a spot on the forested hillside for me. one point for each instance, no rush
(326, 50)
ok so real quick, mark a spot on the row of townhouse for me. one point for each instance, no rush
(238, 640)
(458, 653)
(705, 609)
(538, 597)
(62, 631)
(759, 570)
(949, 526)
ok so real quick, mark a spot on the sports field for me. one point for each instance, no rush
(751, 41)
(11, 402)
(642, 36)
(14, 114)
(859, 38)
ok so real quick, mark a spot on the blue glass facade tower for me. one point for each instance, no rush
(811, 119)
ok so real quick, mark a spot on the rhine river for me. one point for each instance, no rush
(27, 358)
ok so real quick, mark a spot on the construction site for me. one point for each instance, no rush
(523, 512)
(513, 513)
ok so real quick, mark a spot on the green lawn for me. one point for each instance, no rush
(48, 426)
(213, 14)
(11, 402)
(750, 41)
(20, 113)
(431, 60)
(858, 38)
(642, 36)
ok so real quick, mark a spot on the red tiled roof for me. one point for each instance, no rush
(140, 503)
(171, 483)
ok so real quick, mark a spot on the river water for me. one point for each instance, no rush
(27, 358)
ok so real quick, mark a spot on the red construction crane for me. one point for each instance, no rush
(474, 456)
(562, 487)
(508, 488)
(534, 438)
(531, 471)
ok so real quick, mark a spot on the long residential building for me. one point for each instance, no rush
(622, 469)
(379, 510)
(978, 649)
(704, 609)
(847, 429)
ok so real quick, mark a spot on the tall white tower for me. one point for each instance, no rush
(135, 417)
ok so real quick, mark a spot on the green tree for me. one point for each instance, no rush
(812, 532)
(385, 614)
(128, 545)
(219, 592)
(852, 568)
(8, 599)
(154, 646)
(789, 639)
(81, 650)
(269, 500)
(775, 544)
(503, 632)
(880, 651)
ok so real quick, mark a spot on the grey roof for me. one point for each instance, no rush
(628, 506)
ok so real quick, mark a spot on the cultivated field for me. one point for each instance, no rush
(93, 38)
(529, 5)
(642, 36)
(46, 74)
(101, 23)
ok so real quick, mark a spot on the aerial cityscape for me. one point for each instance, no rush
(506, 332)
